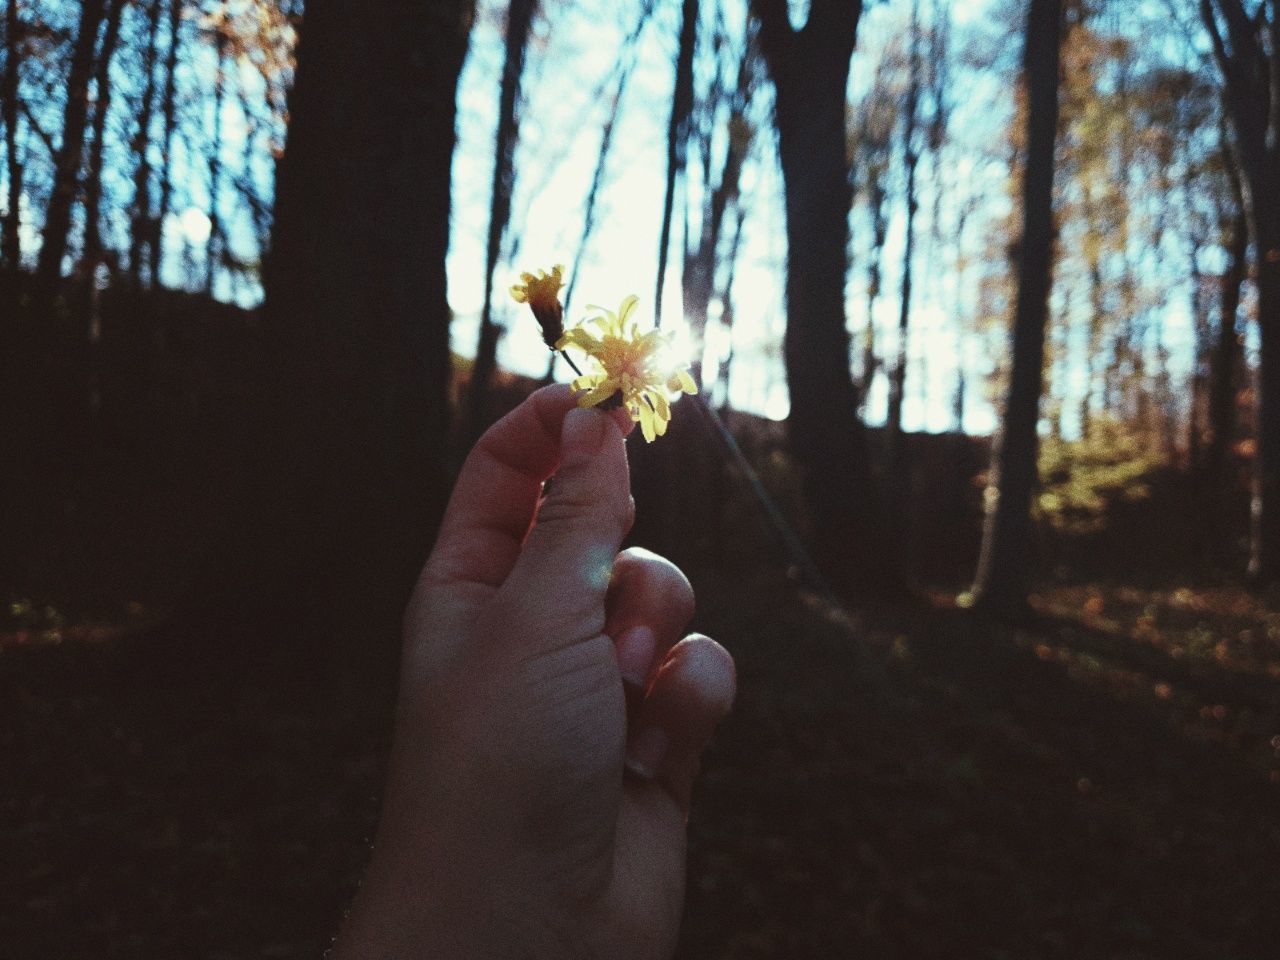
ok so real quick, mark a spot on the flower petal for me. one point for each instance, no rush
(646, 423)
(599, 394)
(628, 306)
(685, 382)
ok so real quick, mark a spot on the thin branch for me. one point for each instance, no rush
(39, 130)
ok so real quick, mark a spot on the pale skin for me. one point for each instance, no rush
(551, 720)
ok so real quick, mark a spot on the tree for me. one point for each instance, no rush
(355, 329)
(872, 151)
(141, 212)
(93, 177)
(1246, 45)
(169, 112)
(519, 21)
(810, 70)
(899, 465)
(1225, 358)
(218, 25)
(67, 164)
(677, 140)
(911, 161)
(719, 193)
(1004, 569)
(10, 242)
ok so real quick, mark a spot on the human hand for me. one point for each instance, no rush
(539, 664)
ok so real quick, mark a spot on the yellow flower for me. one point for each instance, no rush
(634, 366)
(541, 291)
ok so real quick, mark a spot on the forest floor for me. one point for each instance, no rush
(1101, 782)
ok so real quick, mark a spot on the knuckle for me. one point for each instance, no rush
(571, 505)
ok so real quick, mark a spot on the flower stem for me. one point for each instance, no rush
(569, 361)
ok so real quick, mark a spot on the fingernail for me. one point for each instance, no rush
(645, 752)
(581, 436)
(635, 654)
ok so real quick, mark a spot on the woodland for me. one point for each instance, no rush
(981, 488)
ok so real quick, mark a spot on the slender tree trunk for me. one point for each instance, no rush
(726, 318)
(215, 248)
(1248, 52)
(169, 111)
(11, 242)
(899, 465)
(911, 160)
(1264, 560)
(677, 141)
(698, 280)
(66, 174)
(138, 228)
(1225, 358)
(1005, 567)
(880, 232)
(810, 69)
(93, 179)
(519, 21)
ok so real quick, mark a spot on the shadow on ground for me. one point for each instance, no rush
(910, 784)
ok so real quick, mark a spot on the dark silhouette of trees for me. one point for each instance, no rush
(139, 236)
(66, 182)
(810, 70)
(720, 192)
(1005, 567)
(93, 176)
(910, 162)
(1246, 45)
(10, 239)
(899, 466)
(677, 140)
(1225, 359)
(169, 113)
(350, 474)
(216, 245)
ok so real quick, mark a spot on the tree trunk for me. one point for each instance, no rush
(899, 466)
(10, 240)
(350, 479)
(1225, 359)
(519, 21)
(810, 69)
(1264, 559)
(1249, 57)
(1005, 566)
(66, 175)
(698, 280)
(877, 196)
(168, 109)
(92, 253)
(215, 247)
(677, 141)
(138, 228)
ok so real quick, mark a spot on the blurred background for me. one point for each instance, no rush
(982, 487)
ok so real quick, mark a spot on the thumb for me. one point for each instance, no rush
(580, 524)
